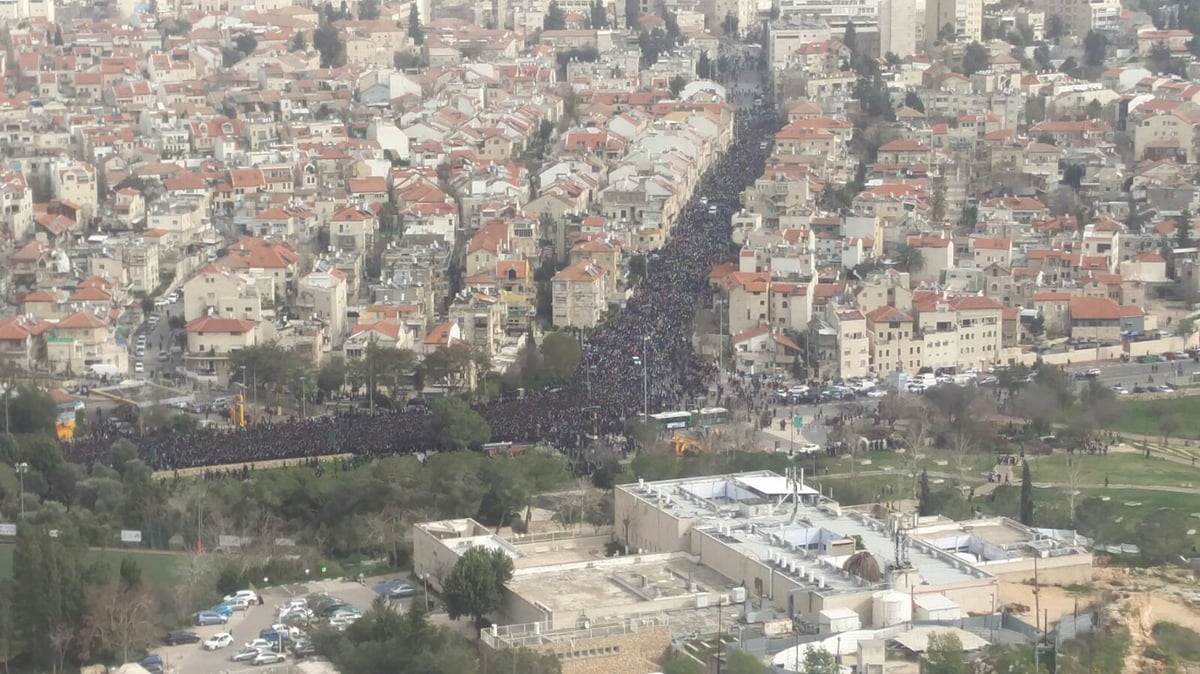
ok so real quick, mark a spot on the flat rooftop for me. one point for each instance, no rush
(463, 534)
(617, 582)
(995, 539)
(143, 394)
(781, 521)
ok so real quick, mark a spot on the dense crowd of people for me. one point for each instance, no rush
(640, 360)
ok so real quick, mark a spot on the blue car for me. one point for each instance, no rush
(222, 609)
(273, 636)
(210, 618)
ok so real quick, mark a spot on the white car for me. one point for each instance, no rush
(267, 658)
(138, 367)
(810, 448)
(239, 603)
(342, 621)
(248, 595)
(218, 640)
(876, 393)
(260, 645)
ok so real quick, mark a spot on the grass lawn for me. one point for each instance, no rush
(1123, 468)
(1140, 416)
(157, 567)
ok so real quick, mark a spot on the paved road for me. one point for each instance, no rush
(1131, 374)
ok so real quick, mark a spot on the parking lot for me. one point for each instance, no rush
(246, 625)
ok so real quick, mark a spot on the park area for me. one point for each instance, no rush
(159, 567)
(1180, 416)
(1129, 489)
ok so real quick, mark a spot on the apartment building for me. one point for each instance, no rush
(211, 340)
(960, 19)
(580, 295)
(839, 346)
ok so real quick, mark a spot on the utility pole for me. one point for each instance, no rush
(1037, 613)
(303, 395)
(22, 468)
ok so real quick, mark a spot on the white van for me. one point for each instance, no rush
(100, 371)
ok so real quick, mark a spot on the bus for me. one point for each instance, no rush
(669, 421)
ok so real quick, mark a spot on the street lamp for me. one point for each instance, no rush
(22, 468)
(303, 392)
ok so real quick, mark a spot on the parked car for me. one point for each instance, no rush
(238, 603)
(274, 636)
(262, 645)
(210, 618)
(267, 658)
(304, 649)
(176, 637)
(222, 609)
(218, 640)
(249, 595)
(395, 588)
(808, 448)
(245, 655)
(152, 663)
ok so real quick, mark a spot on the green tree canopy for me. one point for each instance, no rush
(473, 586)
(457, 425)
(415, 31)
(976, 57)
(741, 662)
(561, 354)
(945, 655)
(29, 411)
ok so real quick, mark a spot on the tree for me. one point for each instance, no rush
(332, 375)
(328, 43)
(632, 13)
(415, 32)
(554, 19)
(1070, 66)
(937, 199)
(850, 38)
(246, 43)
(913, 100)
(561, 354)
(599, 16)
(704, 69)
(10, 646)
(683, 664)
(30, 411)
(1026, 495)
(820, 661)
(474, 585)
(299, 43)
(741, 662)
(457, 425)
(1012, 659)
(1185, 328)
(1160, 60)
(1053, 27)
(1095, 49)
(368, 10)
(1041, 56)
(48, 593)
(945, 655)
(120, 619)
(975, 58)
(677, 84)
(1183, 230)
(908, 258)
(730, 24)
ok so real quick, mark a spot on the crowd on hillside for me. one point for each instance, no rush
(641, 359)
